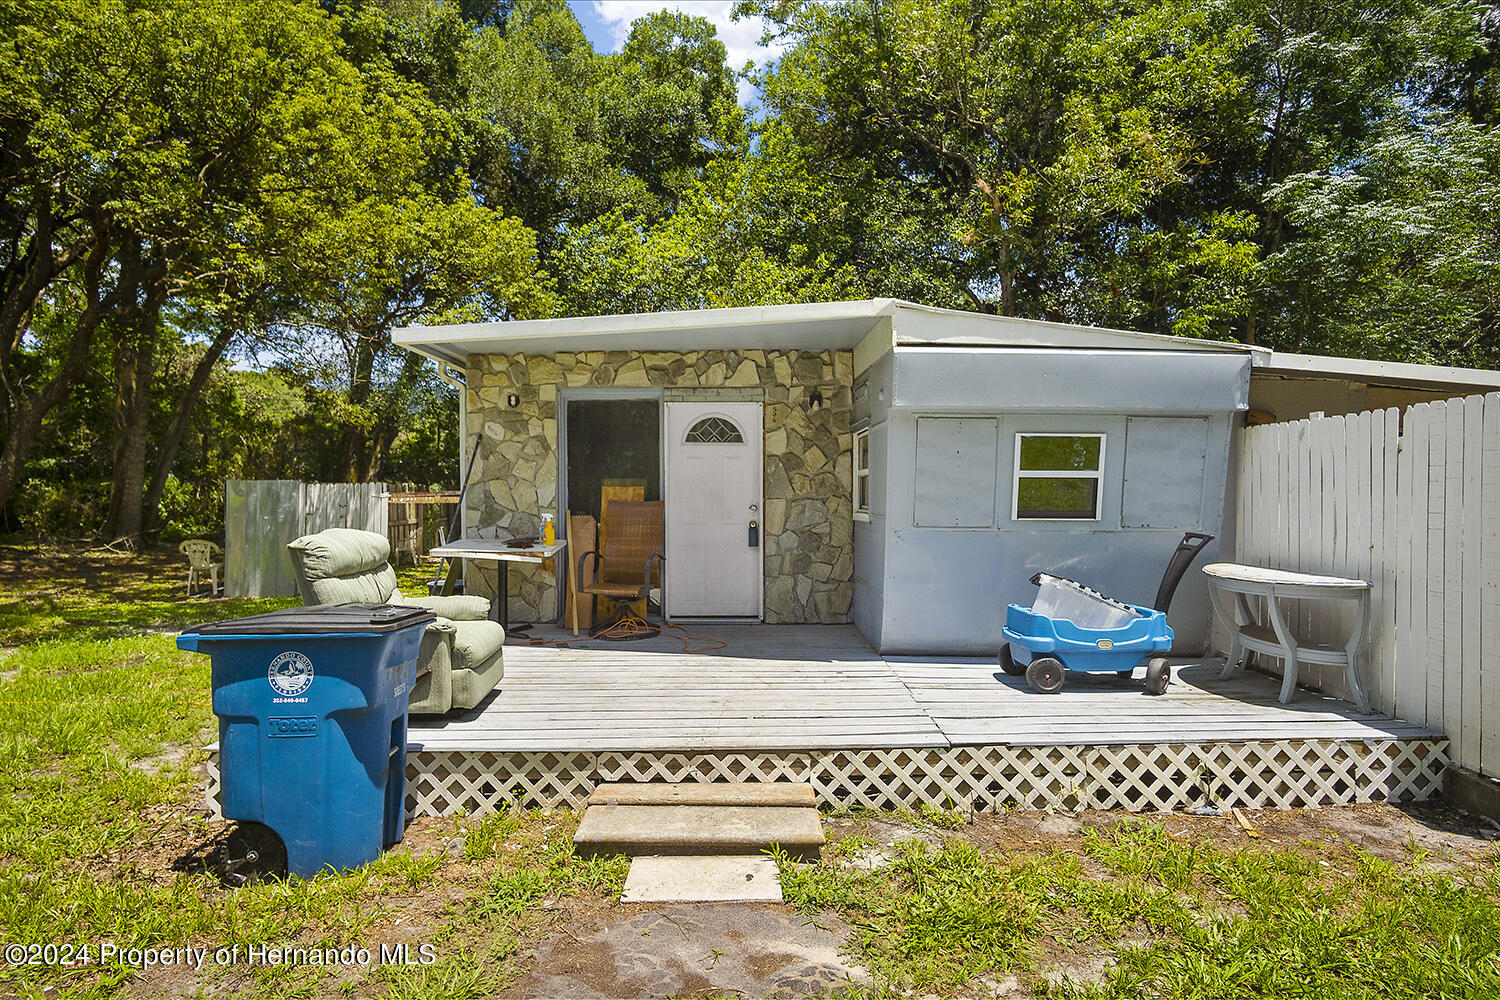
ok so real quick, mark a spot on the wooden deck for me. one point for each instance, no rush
(816, 704)
(793, 688)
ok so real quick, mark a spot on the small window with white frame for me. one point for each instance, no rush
(862, 474)
(1058, 477)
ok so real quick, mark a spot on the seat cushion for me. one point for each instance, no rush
(478, 661)
(606, 589)
(475, 642)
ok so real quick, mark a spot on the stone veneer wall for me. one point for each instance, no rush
(809, 553)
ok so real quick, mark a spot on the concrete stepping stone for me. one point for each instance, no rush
(642, 793)
(698, 830)
(697, 819)
(728, 878)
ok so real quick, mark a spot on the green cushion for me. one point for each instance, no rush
(373, 587)
(343, 566)
(475, 642)
(433, 692)
(459, 607)
(477, 659)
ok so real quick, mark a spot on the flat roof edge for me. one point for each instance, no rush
(1399, 374)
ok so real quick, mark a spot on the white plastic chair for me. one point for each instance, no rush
(201, 554)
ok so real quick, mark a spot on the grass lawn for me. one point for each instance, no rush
(103, 837)
(103, 840)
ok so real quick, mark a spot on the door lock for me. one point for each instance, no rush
(754, 534)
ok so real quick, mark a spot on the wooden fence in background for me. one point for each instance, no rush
(1409, 500)
(262, 515)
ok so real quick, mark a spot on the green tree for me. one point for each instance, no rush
(380, 265)
(1402, 249)
(198, 163)
(1030, 139)
(759, 230)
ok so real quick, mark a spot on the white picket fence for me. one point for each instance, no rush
(1409, 500)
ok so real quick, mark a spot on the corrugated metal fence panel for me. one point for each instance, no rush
(1411, 502)
(262, 516)
(257, 515)
(344, 505)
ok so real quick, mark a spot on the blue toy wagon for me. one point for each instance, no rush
(1072, 627)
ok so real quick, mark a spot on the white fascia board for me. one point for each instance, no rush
(872, 326)
(1386, 373)
(879, 342)
(929, 325)
(811, 326)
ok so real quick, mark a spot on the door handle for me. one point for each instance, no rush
(755, 534)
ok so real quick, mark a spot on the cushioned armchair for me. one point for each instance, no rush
(461, 657)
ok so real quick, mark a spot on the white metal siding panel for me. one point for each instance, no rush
(956, 468)
(1164, 461)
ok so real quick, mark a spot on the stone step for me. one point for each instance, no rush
(659, 793)
(729, 878)
(698, 829)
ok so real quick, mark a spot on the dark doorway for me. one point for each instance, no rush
(613, 442)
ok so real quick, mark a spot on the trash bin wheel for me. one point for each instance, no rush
(1045, 675)
(1008, 663)
(1158, 676)
(255, 852)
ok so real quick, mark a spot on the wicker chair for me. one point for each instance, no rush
(630, 564)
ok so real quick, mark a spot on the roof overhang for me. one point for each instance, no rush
(872, 326)
(1392, 374)
(819, 326)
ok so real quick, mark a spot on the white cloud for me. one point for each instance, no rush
(741, 38)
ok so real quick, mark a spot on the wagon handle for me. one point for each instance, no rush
(1187, 550)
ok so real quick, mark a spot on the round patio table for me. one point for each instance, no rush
(1231, 588)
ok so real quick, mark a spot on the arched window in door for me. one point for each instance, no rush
(714, 430)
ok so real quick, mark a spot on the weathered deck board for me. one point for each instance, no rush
(822, 687)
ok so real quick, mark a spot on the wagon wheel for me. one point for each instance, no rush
(1008, 663)
(1158, 676)
(1045, 675)
(254, 853)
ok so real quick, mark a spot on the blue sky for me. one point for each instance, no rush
(607, 25)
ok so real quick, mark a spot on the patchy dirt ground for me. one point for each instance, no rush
(1434, 835)
(745, 949)
(759, 950)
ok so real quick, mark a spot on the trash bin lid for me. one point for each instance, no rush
(321, 619)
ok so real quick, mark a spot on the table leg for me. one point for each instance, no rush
(502, 599)
(1289, 650)
(1352, 650)
(1216, 599)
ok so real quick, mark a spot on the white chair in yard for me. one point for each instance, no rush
(202, 563)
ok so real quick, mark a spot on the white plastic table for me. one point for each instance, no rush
(496, 551)
(1230, 587)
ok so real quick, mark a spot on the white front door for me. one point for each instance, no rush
(713, 508)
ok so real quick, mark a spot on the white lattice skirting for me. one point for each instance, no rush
(1279, 774)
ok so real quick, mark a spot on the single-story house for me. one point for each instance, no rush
(903, 467)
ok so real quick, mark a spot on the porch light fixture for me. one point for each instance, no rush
(512, 401)
(815, 400)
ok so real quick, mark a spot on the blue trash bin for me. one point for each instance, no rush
(312, 706)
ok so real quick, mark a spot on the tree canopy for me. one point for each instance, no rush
(214, 212)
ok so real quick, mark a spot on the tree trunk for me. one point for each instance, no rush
(135, 370)
(354, 457)
(171, 442)
(24, 417)
(23, 412)
(134, 366)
